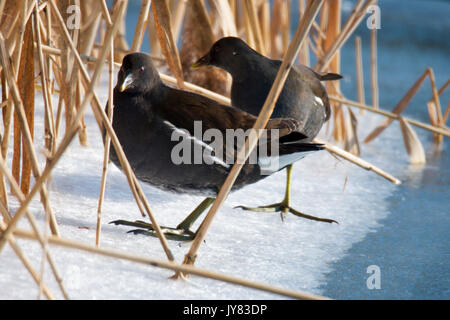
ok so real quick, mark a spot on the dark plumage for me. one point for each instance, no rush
(303, 97)
(146, 115)
(146, 112)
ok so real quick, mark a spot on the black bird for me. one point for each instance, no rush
(167, 134)
(303, 97)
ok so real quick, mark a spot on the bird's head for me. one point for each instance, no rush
(228, 53)
(137, 73)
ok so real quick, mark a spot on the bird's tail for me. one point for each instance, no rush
(288, 153)
(328, 76)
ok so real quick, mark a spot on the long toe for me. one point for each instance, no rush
(170, 234)
(137, 224)
(307, 216)
(284, 209)
(268, 208)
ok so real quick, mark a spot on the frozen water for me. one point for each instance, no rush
(294, 254)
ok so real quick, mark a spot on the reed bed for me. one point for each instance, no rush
(45, 47)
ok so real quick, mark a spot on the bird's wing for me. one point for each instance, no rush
(182, 109)
(195, 115)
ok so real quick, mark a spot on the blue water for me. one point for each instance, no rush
(411, 247)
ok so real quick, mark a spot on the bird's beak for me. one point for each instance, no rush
(203, 61)
(126, 82)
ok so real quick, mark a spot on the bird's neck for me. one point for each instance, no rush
(246, 71)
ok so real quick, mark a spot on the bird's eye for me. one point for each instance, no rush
(141, 70)
(234, 53)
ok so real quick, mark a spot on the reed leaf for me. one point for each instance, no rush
(163, 26)
(351, 136)
(225, 17)
(398, 109)
(26, 89)
(198, 38)
(412, 143)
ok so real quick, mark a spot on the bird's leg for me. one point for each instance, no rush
(181, 233)
(284, 206)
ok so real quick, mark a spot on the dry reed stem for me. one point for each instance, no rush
(51, 83)
(178, 19)
(275, 23)
(19, 110)
(17, 150)
(97, 108)
(45, 252)
(404, 102)
(105, 12)
(171, 266)
(446, 113)
(374, 68)
(197, 39)
(250, 11)
(333, 33)
(4, 198)
(196, 89)
(264, 18)
(350, 25)
(439, 93)
(155, 48)
(16, 63)
(26, 90)
(356, 160)
(412, 143)
(224, 14)
(351, 137)
(304, 51)
(2, 5)
(163, 26)
(107, 142)
(443, 131)
(7, 116)
(261, 121)
(27, 263)
(72, 131)
(359, 71)
(286, 26)
(4, 103)
(49, 133)
(437, 103)
(5, 236)
(141, 25)
(321, 27)
(251, 41)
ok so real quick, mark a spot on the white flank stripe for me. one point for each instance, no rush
(186, 134)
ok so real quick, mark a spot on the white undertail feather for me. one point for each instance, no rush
(318, 100)
(269, 165)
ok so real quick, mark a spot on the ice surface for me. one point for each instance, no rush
(294, 254)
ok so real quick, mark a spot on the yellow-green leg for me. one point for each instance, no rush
(285, 206)
(181, 233)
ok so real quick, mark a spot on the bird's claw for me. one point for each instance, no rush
(283, 209)
(148, 230)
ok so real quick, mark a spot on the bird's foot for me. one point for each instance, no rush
(283, 208)
(177, 234)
